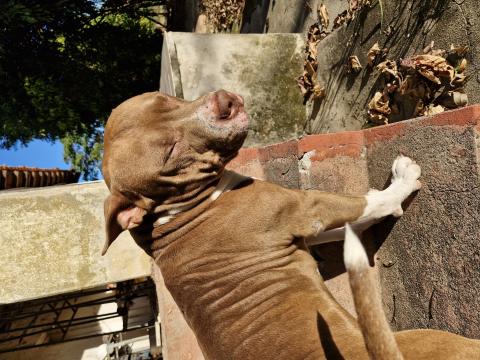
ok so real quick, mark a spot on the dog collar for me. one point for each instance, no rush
(229, 180)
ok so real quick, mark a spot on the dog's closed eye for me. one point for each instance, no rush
(170, 152)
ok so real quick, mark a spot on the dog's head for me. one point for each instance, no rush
(160, 149)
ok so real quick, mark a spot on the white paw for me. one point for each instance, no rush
(406, 172)
(397, 212)
(372, 191)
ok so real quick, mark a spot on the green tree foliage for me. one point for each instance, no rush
(65, 64)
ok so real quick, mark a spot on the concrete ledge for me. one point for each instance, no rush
(51, 241)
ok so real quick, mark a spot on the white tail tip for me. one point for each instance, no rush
(354, 254)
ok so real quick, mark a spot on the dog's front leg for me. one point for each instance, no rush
(377, 204)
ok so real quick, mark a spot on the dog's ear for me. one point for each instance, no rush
(120, 215)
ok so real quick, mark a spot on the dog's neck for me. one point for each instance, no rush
(228, 181)
(168, 219)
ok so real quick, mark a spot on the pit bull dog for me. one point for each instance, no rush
(233, 250)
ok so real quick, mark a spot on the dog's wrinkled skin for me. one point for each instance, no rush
(161, 151)
(238, 267)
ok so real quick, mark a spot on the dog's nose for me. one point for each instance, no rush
(227, 103)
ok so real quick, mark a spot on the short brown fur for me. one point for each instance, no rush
(238, 267)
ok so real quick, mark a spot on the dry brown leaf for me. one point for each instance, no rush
(313, 48)
(354, 64)
(379, 109)
(391, 87)
(438, 52)
(354, 4)
(429, 74)
(342, 18)
(459, 50)
(223, 15)
(432, 110)
(372, 53)
(423, 84)
(308, 81)
(380, 104)
(459, 79)
(454, 99)
(459, 98)
(377, 118)
(318, 91)
(310, 69)
(323, 16)
(419, 108)
(461, 67)
(301, 85)
(389, 30)
(431, 66)
(428, 49)
(388, 67)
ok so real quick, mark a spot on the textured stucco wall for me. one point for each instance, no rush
(429, 260)
(51, 242)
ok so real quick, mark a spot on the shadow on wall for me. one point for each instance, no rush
(255, 15)
(330, 256)
(405, 28)
(265, 16)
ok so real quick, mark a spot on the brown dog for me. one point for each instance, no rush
(232, 250)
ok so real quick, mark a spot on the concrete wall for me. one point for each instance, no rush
(51, 242)
(178, 340)
(286, 16)
(412, 25)
(262, 68)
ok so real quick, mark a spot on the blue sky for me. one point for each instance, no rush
(37, 153)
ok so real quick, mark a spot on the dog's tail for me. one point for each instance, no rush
(378, 336)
